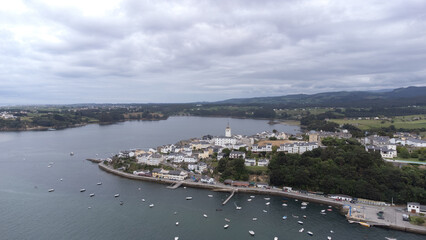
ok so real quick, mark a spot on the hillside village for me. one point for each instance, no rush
(197, 158)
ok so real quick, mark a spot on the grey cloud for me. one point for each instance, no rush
(174, 51)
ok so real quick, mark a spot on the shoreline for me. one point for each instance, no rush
(299, 196)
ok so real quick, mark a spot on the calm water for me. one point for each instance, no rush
(29, 211)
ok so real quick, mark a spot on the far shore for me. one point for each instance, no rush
(274, 192)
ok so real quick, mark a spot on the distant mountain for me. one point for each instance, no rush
(397, 97)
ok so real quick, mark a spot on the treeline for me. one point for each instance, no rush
(346, 168)
(238, 111)
(231, 168)
(63, 117)
(318, 122)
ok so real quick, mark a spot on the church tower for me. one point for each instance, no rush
(228, 131)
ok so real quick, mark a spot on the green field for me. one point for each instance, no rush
(407, 122)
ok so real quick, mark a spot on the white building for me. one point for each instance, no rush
(413, 207)
(237, 154)
(266, 148)
(298, 147)
(228, 131)
(262, 162)
(250, 162)
(222, 141)
(388, 151)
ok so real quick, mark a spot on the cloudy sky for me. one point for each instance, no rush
(81, 51)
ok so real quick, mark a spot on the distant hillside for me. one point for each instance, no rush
(394, 98)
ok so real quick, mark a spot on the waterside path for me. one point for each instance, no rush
(393, 215)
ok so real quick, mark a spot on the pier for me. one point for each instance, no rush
(174, 186)
(95, 160)
(229, 198)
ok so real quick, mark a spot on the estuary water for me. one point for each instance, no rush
(29, 211)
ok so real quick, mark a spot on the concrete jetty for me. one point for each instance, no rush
(95, 160)
(174, 186)
(230, 196)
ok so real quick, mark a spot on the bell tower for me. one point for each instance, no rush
(228, 131)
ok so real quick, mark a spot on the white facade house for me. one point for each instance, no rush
(262, 162)
(413, 207)
(221, 141)
(250, 162)
(388, 151)
(237, 154)
(189, 159)
(298, 147)
(266, 148)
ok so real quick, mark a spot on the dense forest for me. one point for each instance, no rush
(345, 167)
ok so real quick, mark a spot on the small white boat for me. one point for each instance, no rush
(188, 198)
(284, 205)
(331, 231)
(304, 216)
(328, 237)
(267, 204)
(176, 238)
(296, 200)
(301, 230)
(304, 203)
(265, 211)
(323, 210)
(295, 216)
(151, 205)
(267, 199)
(210, 195)
(175, 213)
(254, 219)
(205, 215)
(275, 238)
(92, 195)
(251, 232)
(49, 166)
(117, 195)
(303, 207)
(238, 207)
(121, 202)
(227, 220)
(99, 183)
(51, 190)
(226, 226)
(61, 179)
(284, 217)
(82, 190)
(89, 207)
(388, 238)
(323, 213)
(143, 200)
(310, 233)
(251, 196)
(249, 200)
(299, 222)
(138, 188)
(71, 153)
(177, 223)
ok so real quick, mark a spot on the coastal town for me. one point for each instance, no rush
(194, 163)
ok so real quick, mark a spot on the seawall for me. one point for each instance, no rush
(274, 192)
